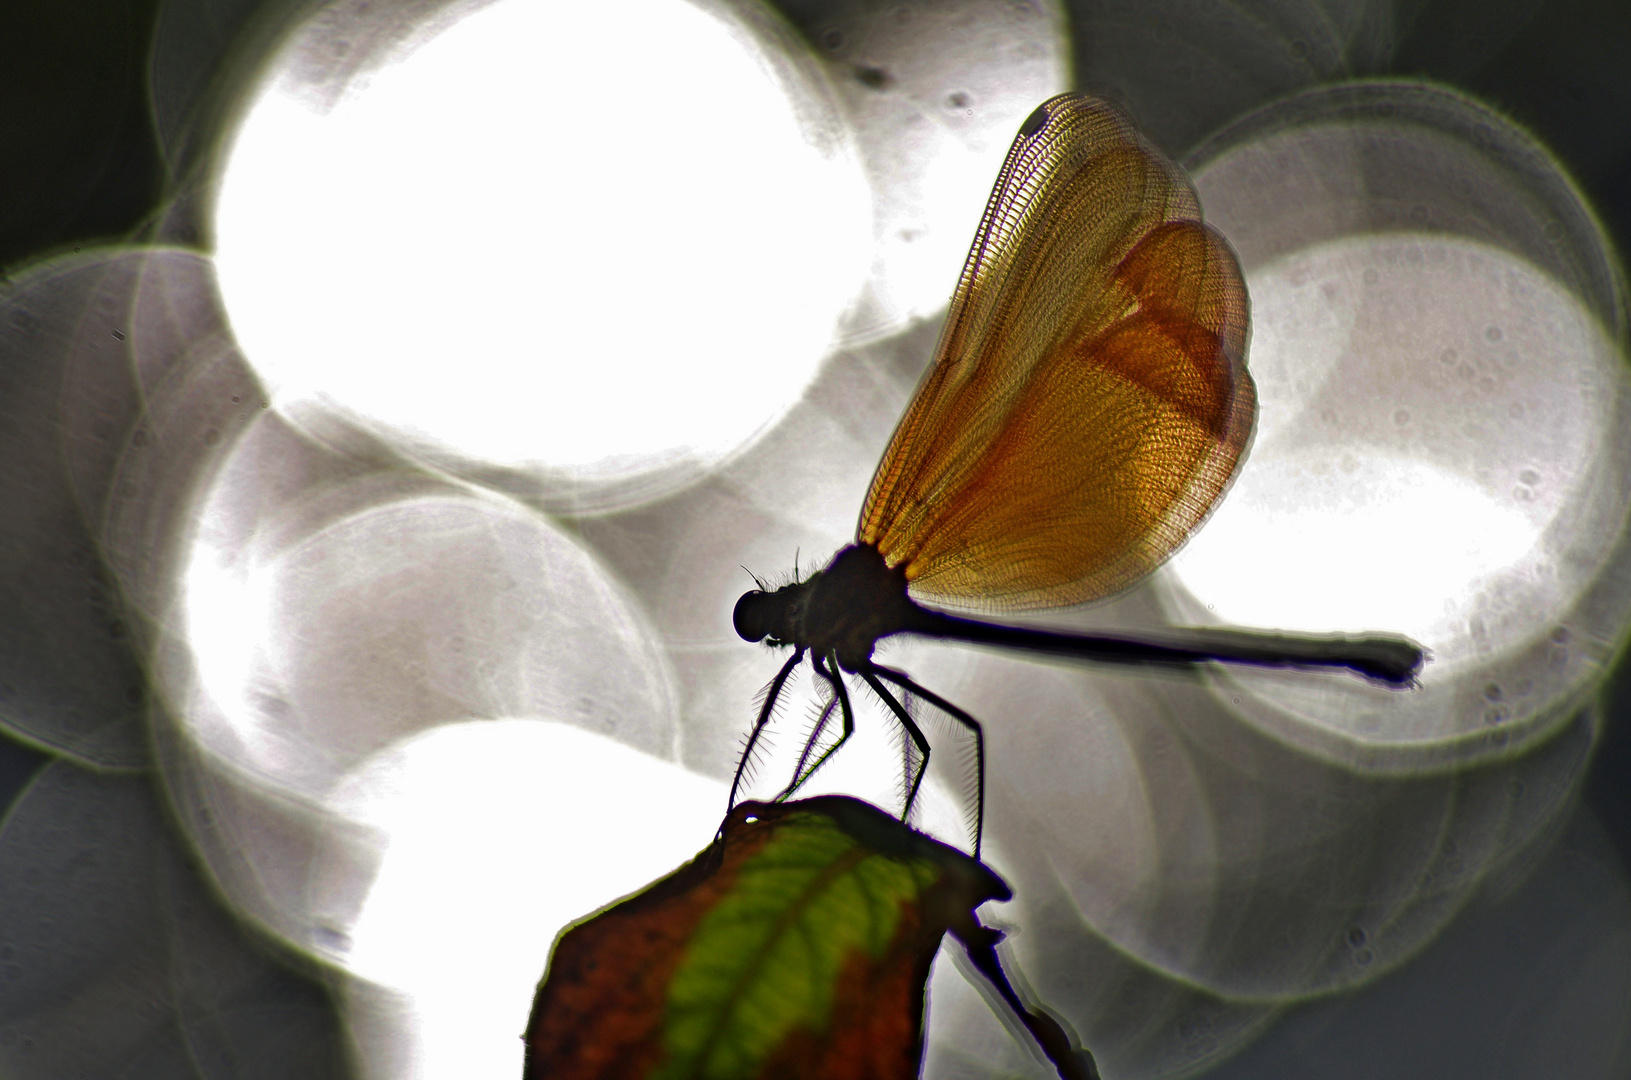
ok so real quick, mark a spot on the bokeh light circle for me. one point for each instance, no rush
(1444, 445)
(609, 259)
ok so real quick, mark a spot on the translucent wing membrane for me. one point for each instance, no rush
(1088, 401)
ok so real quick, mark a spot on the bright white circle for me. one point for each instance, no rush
(550, 234)
(497, 835)
(1435, 413)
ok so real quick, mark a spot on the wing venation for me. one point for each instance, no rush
(1088, 401)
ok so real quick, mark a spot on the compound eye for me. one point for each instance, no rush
(752, 616)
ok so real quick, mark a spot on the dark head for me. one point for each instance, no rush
(756, 614)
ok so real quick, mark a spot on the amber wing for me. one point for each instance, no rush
(1089, 400)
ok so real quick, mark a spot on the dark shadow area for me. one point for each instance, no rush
(78, 163)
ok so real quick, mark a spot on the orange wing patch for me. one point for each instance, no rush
(1089, 400)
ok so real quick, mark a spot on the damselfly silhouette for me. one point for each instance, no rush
(1086, 408)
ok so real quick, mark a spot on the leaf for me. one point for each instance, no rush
(797, 945)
